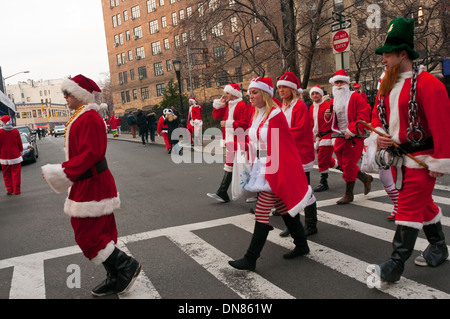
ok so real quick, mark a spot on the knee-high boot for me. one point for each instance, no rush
(311, 219)
(366, 179)
(222, 193)
(122, 270)
(323, 184)
(403, 245)
(436, 252)
(348, 197)
(297, 232)
(254, 250)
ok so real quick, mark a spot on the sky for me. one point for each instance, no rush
(52, 39)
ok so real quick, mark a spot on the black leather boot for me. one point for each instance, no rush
(366, 179)
(348, 196)
(298, 234)
(311, 219)
(403, 245)
(323, 184)
(254, 250)
(122, 271)
(222, 193)
(436, 252)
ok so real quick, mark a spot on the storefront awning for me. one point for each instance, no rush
(4, 100)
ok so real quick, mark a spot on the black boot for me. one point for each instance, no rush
(254, 250)
(311, 219)
(122, 271)
(366, 179)
(323, 184)
(436, 252)
(403, 245)
(222, 193)
(348, 196)
(298, 234)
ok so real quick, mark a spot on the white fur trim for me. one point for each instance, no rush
(289, 84)
(339, 78)
(415, 225)
(93, 208)
(303, 203)
(77, 91)
(262, 86)
(11, 161)
(308, 167)
(315, 89)
(56, 178)
(103, 254)
(229, 89)
(436, 218)
(218, 105)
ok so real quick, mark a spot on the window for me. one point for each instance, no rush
(135, 95)
(177, 41)
(236, 48)
(127, 35)
(160, 89)
(130, 55)
(234, 26)
(142, 71)
(166, 44)
(222, 78)
(114, 21)
(213, 5)
(125, 15)
(140, 53)
(163, 22)
(119, 20)
(189, 12)
(137, 32)
(184, 38)
(144, 93)
(238, 75)
(174, 19)
(125, 78)
(169, 65)
(156, 48)
(200, 9)
(161, 3)
(217, 30)
(158, 67)
(154, 26)
(151, 5)
(181, 12)
(119, 59)
(121, 38)
(191, 35)
(219, 53)
(132, 74)
(135, 12)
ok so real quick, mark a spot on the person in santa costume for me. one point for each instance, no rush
(297, 116)
(320, 117)
(113, 124)
(235, 117)
(93, 195)
(357, 89)
(11, 149)
(163, 129)
(348, 109)
(195, 122)
(274, 163)
(407, 89)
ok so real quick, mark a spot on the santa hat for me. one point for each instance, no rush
(317, 89)
(192, 99)
(290, 80)
(233, 89)
(5, 119)
(356, 86)
(81, 87)
(264, 84)
(340, 75)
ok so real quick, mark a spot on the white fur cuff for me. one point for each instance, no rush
(55, 177)
(217, 104)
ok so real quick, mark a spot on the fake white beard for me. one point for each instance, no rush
(341, 97)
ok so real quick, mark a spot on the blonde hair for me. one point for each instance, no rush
(294, 95)
(268, 104)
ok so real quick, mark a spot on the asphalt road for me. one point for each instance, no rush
(184, 239)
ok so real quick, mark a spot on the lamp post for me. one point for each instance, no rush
(177, 66)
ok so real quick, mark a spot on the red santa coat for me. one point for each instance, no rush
(195, 119)
(321, 124)
(10, 147)
(85, 146)
(282, 164)
(357, 110)
(300, 127)
(236, 114)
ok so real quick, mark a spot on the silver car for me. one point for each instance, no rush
(59, 130)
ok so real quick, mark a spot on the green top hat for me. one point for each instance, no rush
(400, 35)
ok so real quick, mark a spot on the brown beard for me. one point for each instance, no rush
(389, 79)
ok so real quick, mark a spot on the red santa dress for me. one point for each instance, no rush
(415, 204)
(195, 122)
(93, 199)
(10, 156)
(163, 129)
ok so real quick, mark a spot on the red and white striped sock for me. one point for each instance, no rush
(393, 195)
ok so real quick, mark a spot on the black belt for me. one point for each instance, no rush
(409, 148)
(322, 134)
(100, 167)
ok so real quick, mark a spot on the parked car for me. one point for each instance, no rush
(25, 129)
(30, 150)
(59, 130)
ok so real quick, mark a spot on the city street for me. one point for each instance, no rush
(185, 239)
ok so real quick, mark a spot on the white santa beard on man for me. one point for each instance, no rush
(341, 96)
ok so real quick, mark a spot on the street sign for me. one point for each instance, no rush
(341, 25)
(341, 41)
(198, 51)
(200, 66)
(337, 16)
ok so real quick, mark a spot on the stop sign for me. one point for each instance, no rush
(341, 41)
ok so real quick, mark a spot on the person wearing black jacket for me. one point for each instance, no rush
(143, 126)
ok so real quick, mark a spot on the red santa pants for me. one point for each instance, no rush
(348, 154)
(267, 200)
(415, 203)
(229, 156)
(325, 158)
(12, 177)
(93, 234)
(166, 140)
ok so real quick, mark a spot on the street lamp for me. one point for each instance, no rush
(16, 74)
(177, 66)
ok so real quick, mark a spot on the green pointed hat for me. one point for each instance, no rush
(400, 36)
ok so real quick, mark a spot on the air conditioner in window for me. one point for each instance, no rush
(120, 82)
(138, 57)
(136, 37)
(116, 44)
